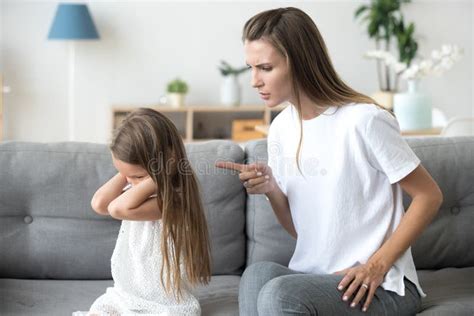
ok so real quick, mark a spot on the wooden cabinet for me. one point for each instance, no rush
(198, 123)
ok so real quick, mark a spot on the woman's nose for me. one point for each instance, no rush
(256, 82)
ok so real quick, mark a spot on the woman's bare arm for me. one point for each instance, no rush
(426, 200)
(281, 208)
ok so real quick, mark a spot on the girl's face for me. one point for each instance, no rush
(270, 72)
(133, 173)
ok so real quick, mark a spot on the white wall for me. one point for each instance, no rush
(144, 44)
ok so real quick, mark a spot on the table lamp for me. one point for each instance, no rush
(72, 22)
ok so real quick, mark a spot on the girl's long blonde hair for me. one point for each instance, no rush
(149, 139)
(294, 34)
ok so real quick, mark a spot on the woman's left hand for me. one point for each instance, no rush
(361, 281)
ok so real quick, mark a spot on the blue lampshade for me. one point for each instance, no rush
(73, 21)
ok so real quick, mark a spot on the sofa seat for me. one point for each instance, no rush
(41, 297)
(449, 291)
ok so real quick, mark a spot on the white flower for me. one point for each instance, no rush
(446, 50)
(399, 67)
(435, 54)
(377, 54)
(441, 61)
(412, 72)
(425, 65)
(446, 63)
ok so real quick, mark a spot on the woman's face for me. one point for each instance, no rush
(270, 72)
(133, 173)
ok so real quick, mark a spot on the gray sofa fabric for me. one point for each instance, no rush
(449, 240)
(47, 229)
(63, 297)
(450, 291)
(55, 251)
(224, 201)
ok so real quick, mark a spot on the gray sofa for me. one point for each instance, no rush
(55, 251)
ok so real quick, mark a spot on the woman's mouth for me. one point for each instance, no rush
(264, 96)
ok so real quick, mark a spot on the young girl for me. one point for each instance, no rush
(336, 169)
(163, 243)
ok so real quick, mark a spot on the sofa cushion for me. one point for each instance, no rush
(47, 226)
(62, 297)
(224, 200)
(447, 242)
(449, 291)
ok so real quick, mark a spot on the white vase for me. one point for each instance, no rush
(230, 91)
(413, 108)
(175, 100)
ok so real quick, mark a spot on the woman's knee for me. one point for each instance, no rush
(264, 270)
(278, 296)
(305, 294)
(252, 281)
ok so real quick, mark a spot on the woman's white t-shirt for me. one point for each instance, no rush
(347, 203)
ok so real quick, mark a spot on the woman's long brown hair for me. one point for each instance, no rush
(295, 35)
(149, 139)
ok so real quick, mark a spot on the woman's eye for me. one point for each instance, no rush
(267, 68)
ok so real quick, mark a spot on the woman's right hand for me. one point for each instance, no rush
(257, 178)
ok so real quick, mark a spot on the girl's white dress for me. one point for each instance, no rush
(136, 266)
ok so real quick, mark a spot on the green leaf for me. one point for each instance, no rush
(373, 29)
(226, 69)
(360, 10)
(385, 21)
(411, 28)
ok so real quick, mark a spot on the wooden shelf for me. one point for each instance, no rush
(191, 120)
(198, 108)
(423, 132)
(262, 129)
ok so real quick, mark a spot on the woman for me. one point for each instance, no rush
(336, 170)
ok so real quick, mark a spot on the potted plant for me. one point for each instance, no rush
(230, 89)
(385, 24)
(176, 91)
